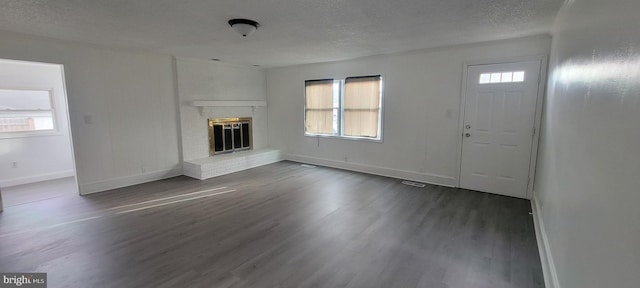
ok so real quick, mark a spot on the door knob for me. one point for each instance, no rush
(467, 135)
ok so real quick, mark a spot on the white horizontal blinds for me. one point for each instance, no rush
(362, 106)
(25, 110)
(319, 106)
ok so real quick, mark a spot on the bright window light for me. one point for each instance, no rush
(25, 111)
(518, 76)
(495, 77)
(501, 77)
(349, 108)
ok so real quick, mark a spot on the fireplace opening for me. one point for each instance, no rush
(228, 135)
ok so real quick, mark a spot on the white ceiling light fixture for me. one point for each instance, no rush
(244, 27)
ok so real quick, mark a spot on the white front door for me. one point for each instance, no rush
(499, 119)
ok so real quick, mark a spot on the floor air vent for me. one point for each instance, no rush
(415, 184)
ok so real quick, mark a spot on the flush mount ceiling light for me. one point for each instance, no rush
(244, 27)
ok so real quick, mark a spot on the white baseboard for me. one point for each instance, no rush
(546, 259)
(37, 178)
(114, 183)
(436, 179)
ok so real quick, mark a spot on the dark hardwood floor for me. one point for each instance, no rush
(280, 225)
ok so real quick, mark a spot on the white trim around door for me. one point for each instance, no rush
(538, 111)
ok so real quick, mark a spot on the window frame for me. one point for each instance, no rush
(34, 133)
(306, 109)
(340, 117)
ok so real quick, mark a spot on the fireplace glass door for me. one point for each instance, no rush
(229, 135)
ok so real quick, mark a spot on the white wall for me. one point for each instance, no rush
(122, 106)
(422, 94)
(588, 185)
(210, 80)
(41, 157)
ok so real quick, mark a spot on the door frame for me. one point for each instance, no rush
(65, 97)
(542, 80)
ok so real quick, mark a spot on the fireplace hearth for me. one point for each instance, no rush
(227, 135)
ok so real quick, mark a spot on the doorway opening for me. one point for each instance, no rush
(36, 148)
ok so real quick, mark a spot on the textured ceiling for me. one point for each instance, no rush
(291, 32)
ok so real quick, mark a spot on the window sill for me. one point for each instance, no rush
(13, 135)
(352, 138)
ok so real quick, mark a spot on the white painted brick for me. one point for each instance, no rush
(204, 168)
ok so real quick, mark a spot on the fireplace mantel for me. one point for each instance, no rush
(254, 104)
(228, 103)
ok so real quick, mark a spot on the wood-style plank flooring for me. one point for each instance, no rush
(280, 225)
(27, 193)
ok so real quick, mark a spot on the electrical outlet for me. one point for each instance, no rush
(14, 164)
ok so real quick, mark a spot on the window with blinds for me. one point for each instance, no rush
(349, 108)
(362, 97)
(25, 111)
(321, 107)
